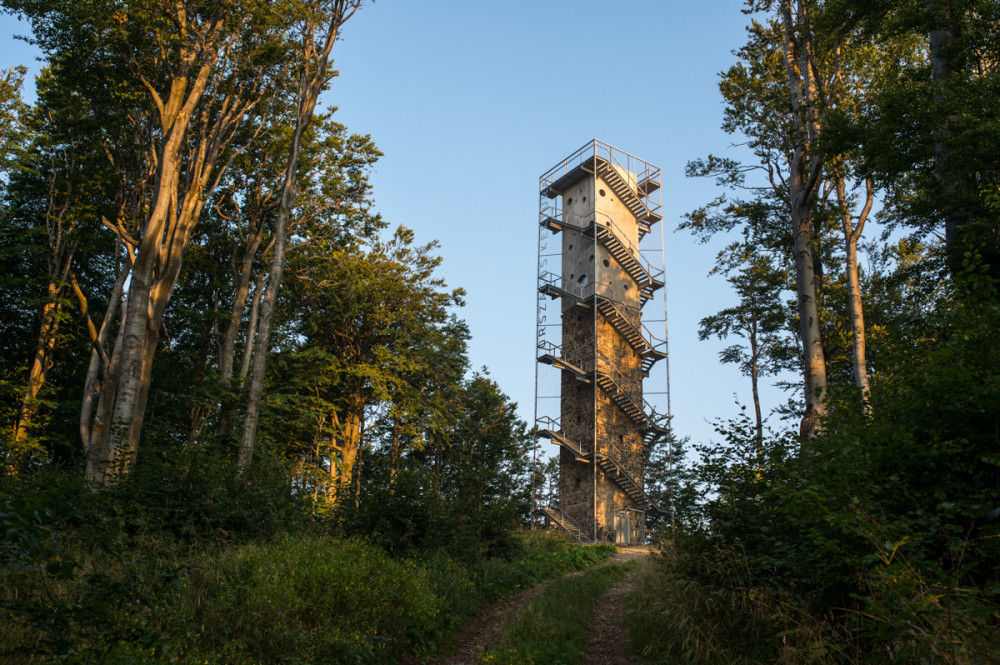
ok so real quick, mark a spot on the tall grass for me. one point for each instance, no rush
(300, 598)
(674, 618)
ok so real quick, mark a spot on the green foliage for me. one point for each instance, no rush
(929, 133)
(306, 599)
(877, 535)
(184, 563)
(12, 111)
(541, 555)
(672, 483)
(676, 616)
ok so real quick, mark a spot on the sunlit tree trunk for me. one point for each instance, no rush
(852, 233)
(61, 247)
(314, 77)
(347, 434)
(805, 172)
(41, 363)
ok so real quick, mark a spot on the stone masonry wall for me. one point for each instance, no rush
(587, 421)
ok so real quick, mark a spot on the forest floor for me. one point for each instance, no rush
(607, 643)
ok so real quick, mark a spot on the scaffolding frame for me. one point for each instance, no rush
(624, 173)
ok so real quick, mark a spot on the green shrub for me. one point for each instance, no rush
(877, 538)
(673, 617)
(306, 599)
(543, 554)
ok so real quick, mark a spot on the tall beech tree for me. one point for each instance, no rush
(203, 67)
(374, 326)
(928, 135)
(777, 95)
(796, 83)
(810, 87)
(318, 30)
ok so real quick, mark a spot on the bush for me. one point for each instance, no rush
(303, 599)
(544, 554)
(878, 537)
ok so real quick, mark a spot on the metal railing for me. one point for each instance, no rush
(610, 369)
(583, 223)
(636, 170)
(608, 294)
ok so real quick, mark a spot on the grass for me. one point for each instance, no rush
(553, 627)
(672, 618)
(298, 599)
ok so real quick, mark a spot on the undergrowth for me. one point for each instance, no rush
(84, 581)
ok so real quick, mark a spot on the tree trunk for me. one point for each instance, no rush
(41, 363)
(851, 236)
(805, 170)
(813, 358)
(754, 374)
(251, 338)
(62, 246)
(347, 434)
(311, 83)
(100, 363)
(394, 452)
(944, 64)
(228, 346)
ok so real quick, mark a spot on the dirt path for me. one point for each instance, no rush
(487, 629)
(607, 642)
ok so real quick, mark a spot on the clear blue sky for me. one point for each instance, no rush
(472, 101)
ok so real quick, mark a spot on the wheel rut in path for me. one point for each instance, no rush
(487, 628)
(607, 643)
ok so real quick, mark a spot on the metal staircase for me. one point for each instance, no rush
(628, 193)
(608, 464)
(626, 258)
(613, 293)
(624, 319)
(630, 327)
(555, 516)
(613, 470)
(555, 435)
(609, 380)
(625, 253)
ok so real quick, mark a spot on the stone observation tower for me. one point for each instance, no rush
(595, 280)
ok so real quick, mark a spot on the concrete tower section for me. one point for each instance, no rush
(596, 207)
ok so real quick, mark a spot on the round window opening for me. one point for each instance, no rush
(571, 246)
(582, 281)
(591, 257)
(584, 199)
(625, 286)
(569, 201)
(603, 193)
(606, 263)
